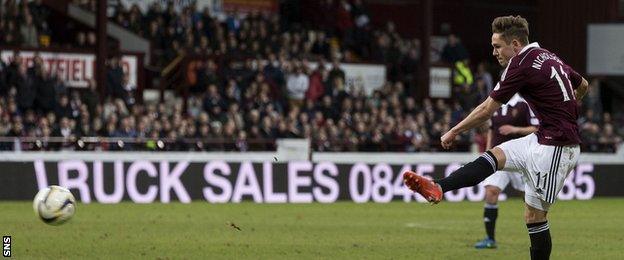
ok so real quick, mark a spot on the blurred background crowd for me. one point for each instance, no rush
(272, 79)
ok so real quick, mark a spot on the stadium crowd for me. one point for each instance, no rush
(344, 119)
(263, 86)
(24, 23)
(342, 32)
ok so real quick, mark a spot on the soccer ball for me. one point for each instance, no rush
(54, 205)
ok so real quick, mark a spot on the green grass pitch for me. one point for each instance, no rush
(580, 230)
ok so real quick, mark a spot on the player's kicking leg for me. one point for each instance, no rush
(469, 175)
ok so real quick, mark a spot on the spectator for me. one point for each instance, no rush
(114, 78)
(28, 31)
(17, 130)
(335, 72)
(320, 47)
(59, 86)
(81, 40)
(63, 109)
(38, 11)
(46, 93)
(481, 90)
(316, 88)
(453, 50)
(608, 139)
(26, 89)
(13, 36)
(91, 97)
(409, 65)
(42, 84)
(590, 136)
(126, 128)
(344, 21)
(64, 129)
(297, 84)
(91, 39)
(485, 76)
(213, 103)
(129, 90)
(241, 142)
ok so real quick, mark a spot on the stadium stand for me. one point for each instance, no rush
(256, 83)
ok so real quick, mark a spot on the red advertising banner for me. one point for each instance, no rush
(75, 69)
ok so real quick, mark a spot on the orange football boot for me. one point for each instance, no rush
(430, 190)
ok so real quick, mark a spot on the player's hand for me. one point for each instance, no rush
(448, 139)
(507, 130)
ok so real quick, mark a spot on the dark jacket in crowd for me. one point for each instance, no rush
(46, 94)
(114, 81)
(26, 93)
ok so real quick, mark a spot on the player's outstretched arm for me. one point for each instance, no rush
(581, 90)
(478, 116)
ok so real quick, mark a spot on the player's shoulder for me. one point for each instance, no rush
(534, 57)
(521, 63)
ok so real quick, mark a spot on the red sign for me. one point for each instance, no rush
(247, 6)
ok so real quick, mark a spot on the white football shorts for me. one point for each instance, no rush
(543, 168)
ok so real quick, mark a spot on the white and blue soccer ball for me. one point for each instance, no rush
(54, 205)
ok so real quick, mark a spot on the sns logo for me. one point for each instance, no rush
(6, 246)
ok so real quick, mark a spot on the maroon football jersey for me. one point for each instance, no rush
(516, 113)
(547, 84)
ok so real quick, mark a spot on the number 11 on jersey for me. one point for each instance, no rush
(554, 74)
